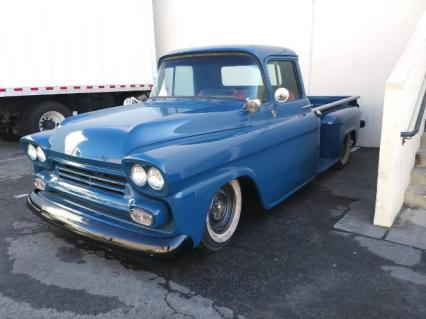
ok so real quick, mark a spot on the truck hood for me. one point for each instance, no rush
(110, 134)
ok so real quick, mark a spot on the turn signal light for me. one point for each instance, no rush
(39, 184)
(142, 217)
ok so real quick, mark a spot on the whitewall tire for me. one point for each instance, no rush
(223, 216)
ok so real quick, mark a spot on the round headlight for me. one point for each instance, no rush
(32, 152)
(138, 175)
(40, 154)
(155, 179)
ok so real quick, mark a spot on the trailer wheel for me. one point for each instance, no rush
(43, 116)
(346, 151)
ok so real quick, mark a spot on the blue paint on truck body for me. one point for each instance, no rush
(198, 143)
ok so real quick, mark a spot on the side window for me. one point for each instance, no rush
(283, 74)
(272, 71)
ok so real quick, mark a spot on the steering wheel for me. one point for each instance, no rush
(239, 94)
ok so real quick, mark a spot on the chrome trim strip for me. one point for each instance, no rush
(328, 106)
(89, 182)
(116, 171)
(88, 176)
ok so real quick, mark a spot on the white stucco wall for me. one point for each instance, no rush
(345, 47)
(404, 93)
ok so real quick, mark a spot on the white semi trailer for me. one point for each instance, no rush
(60, 57)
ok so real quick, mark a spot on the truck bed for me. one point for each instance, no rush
(340, 115)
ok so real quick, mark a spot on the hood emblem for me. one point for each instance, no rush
(72, 141)
(76, 152)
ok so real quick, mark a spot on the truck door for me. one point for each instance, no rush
(296, 126)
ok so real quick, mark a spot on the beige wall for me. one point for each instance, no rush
(404, 93)
(345, 47)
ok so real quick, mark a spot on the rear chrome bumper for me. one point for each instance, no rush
(107, 233)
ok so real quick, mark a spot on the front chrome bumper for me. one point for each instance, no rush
(97, 230)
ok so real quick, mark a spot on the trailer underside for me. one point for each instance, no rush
(19, 114)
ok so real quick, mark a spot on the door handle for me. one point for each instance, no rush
(307, 106)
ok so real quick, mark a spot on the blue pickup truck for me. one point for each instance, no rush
(170, 173)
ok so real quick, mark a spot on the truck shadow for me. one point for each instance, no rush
(274, 251)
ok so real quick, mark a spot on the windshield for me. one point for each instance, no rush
(234, 76)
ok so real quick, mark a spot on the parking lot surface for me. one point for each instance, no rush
(288, 262)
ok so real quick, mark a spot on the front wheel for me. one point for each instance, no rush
(223, 217)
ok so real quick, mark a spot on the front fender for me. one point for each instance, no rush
(38, 139)
(41, 138)
(185, 162)
(194, 169)
(191, 204)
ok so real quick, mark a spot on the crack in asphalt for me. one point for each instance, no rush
(90, 278)
(187, 294)
(175, 311)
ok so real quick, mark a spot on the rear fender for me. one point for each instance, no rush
(334, 127)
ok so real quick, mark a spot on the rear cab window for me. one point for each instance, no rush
(246, 80)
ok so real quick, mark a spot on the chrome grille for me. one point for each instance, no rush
(92, 179)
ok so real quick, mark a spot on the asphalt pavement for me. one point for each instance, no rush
(287, 262)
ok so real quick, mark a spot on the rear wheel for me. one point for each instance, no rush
(223, 217)
(346, 151)
(43, 116)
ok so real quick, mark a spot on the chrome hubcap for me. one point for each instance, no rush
(50, 120)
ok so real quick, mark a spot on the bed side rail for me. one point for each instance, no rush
(326, 107)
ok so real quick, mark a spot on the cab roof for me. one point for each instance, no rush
(259, 51)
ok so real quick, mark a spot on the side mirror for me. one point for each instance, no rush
(252, 105)
(281, 95)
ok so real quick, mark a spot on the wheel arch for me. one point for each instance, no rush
(353, 133)
(353, 136)
(250, 190)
